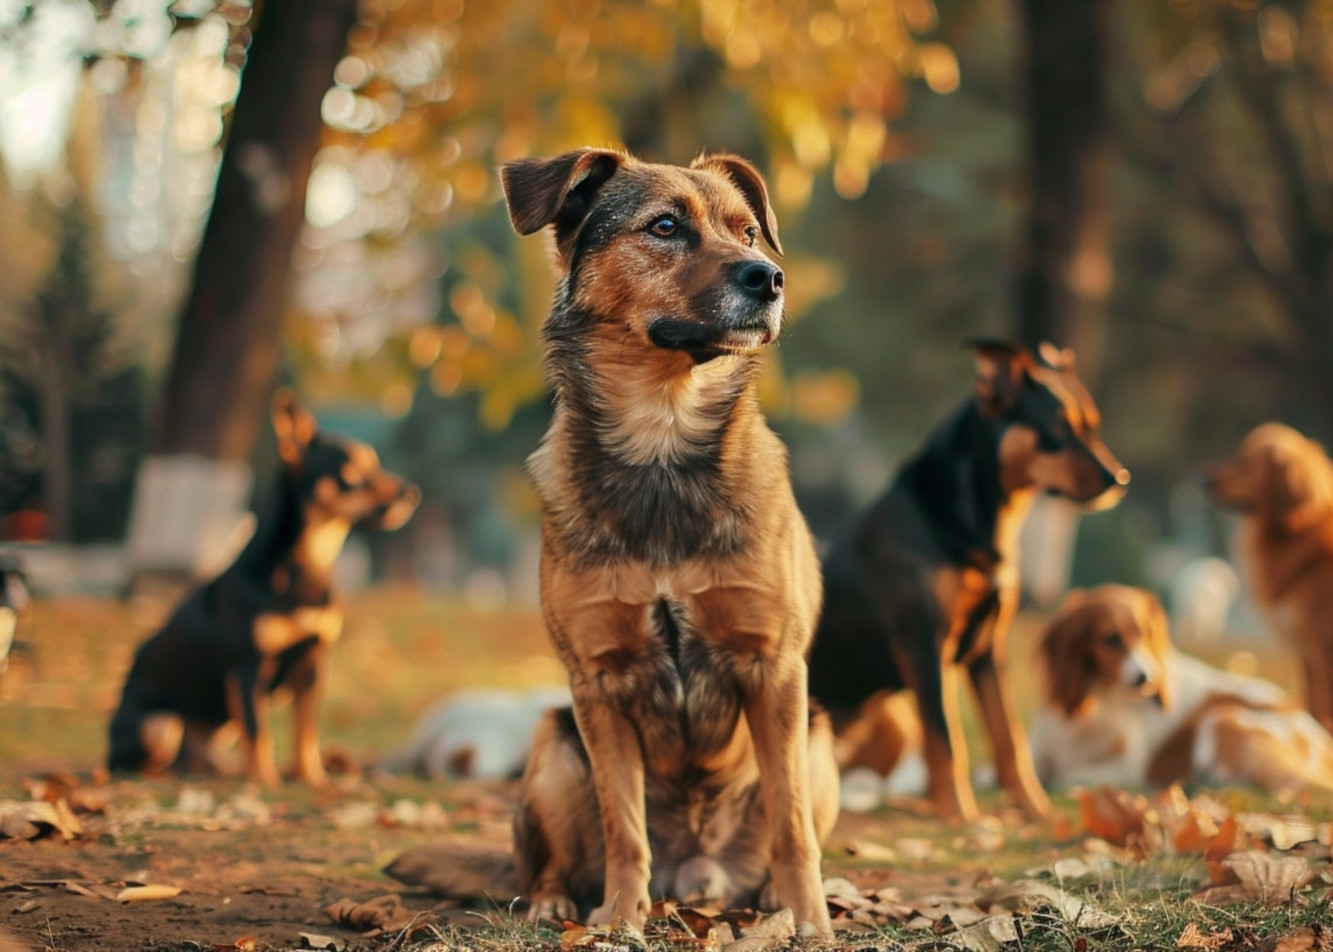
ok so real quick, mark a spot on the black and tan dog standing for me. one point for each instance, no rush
(266, 622)
(679, 582)
(925, 585)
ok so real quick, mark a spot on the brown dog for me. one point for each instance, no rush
(679, 581)
(1125, 708)
(1282, 485)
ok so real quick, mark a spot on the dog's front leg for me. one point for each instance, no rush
(1013, 754)
(777, 711)
(304, 680)
(616, 757)
(248, 702)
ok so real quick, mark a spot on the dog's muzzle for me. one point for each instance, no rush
(748, 315)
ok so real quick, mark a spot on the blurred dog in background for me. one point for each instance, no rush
(925, 586)
(1123, 707)
(266, 622)
(1281, 484)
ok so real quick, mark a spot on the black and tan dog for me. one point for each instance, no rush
(926, 583)
(679, 582)
(265, 622)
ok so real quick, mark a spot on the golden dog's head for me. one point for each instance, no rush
(1109, 638)
(1278, 477)
(656, 255)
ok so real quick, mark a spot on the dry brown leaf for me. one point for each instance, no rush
(147, 893)
(1191, 937)
(777, 925)
(1314, 939)
(32, 819)
(246, 943)
(1114, 815)
(1259, 877)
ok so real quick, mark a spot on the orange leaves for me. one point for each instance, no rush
(1250, 857)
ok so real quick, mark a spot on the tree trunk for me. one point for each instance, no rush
(1065, 273)
(52, 391)
(226, 352)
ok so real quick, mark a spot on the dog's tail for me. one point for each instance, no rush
(458, 869)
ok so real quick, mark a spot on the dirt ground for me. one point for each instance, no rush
(214, 865)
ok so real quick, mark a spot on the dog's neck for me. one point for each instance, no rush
(294, 544)
(634, 464)
(956, 478)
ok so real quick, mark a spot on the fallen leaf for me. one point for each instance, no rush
(1259, 877)
(147, 893)
(32, 819)
(987, 935)
(1191, 937)
(777, 925)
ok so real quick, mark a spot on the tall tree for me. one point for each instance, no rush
(226, 352)
(1064, 272)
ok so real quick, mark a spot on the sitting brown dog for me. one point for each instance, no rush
(1281, 484)
(679, 581)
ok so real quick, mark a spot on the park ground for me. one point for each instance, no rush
(164, 865)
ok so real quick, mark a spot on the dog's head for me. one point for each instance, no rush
(657, 255)
(1051, 429)
(1107, 639)
(337, 478)
(1277, 476)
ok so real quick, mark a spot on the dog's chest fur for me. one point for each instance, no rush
(634, 465)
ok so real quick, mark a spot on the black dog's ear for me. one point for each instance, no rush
(556, 190)
(746, 178)
(1002, 373)
(294, 425)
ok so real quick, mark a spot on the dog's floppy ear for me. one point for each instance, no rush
(556, 190)
(1002, 373)
(746, 178)
(1157, 632)
(1064, 650)
(294, 425)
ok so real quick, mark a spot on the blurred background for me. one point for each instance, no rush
(202, 200)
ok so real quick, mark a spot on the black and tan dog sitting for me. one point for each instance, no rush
(926, 584)
(679, 582)
(266, 622)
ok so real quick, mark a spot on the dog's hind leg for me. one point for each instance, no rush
(557, 828)
(142, 741)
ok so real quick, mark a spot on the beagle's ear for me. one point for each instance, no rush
(1003, 369)
(294, 426)
(558, 190)
(1157, 632)
(751, 184)
(1064, 652)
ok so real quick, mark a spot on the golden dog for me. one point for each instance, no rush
(1282, 485)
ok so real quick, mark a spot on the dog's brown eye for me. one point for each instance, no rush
(665, 227)
(751, 235)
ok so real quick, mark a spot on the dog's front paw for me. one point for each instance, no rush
(632, 910)
(554, 908)
(800, 889)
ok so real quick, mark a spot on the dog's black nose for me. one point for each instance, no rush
(759, 279)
